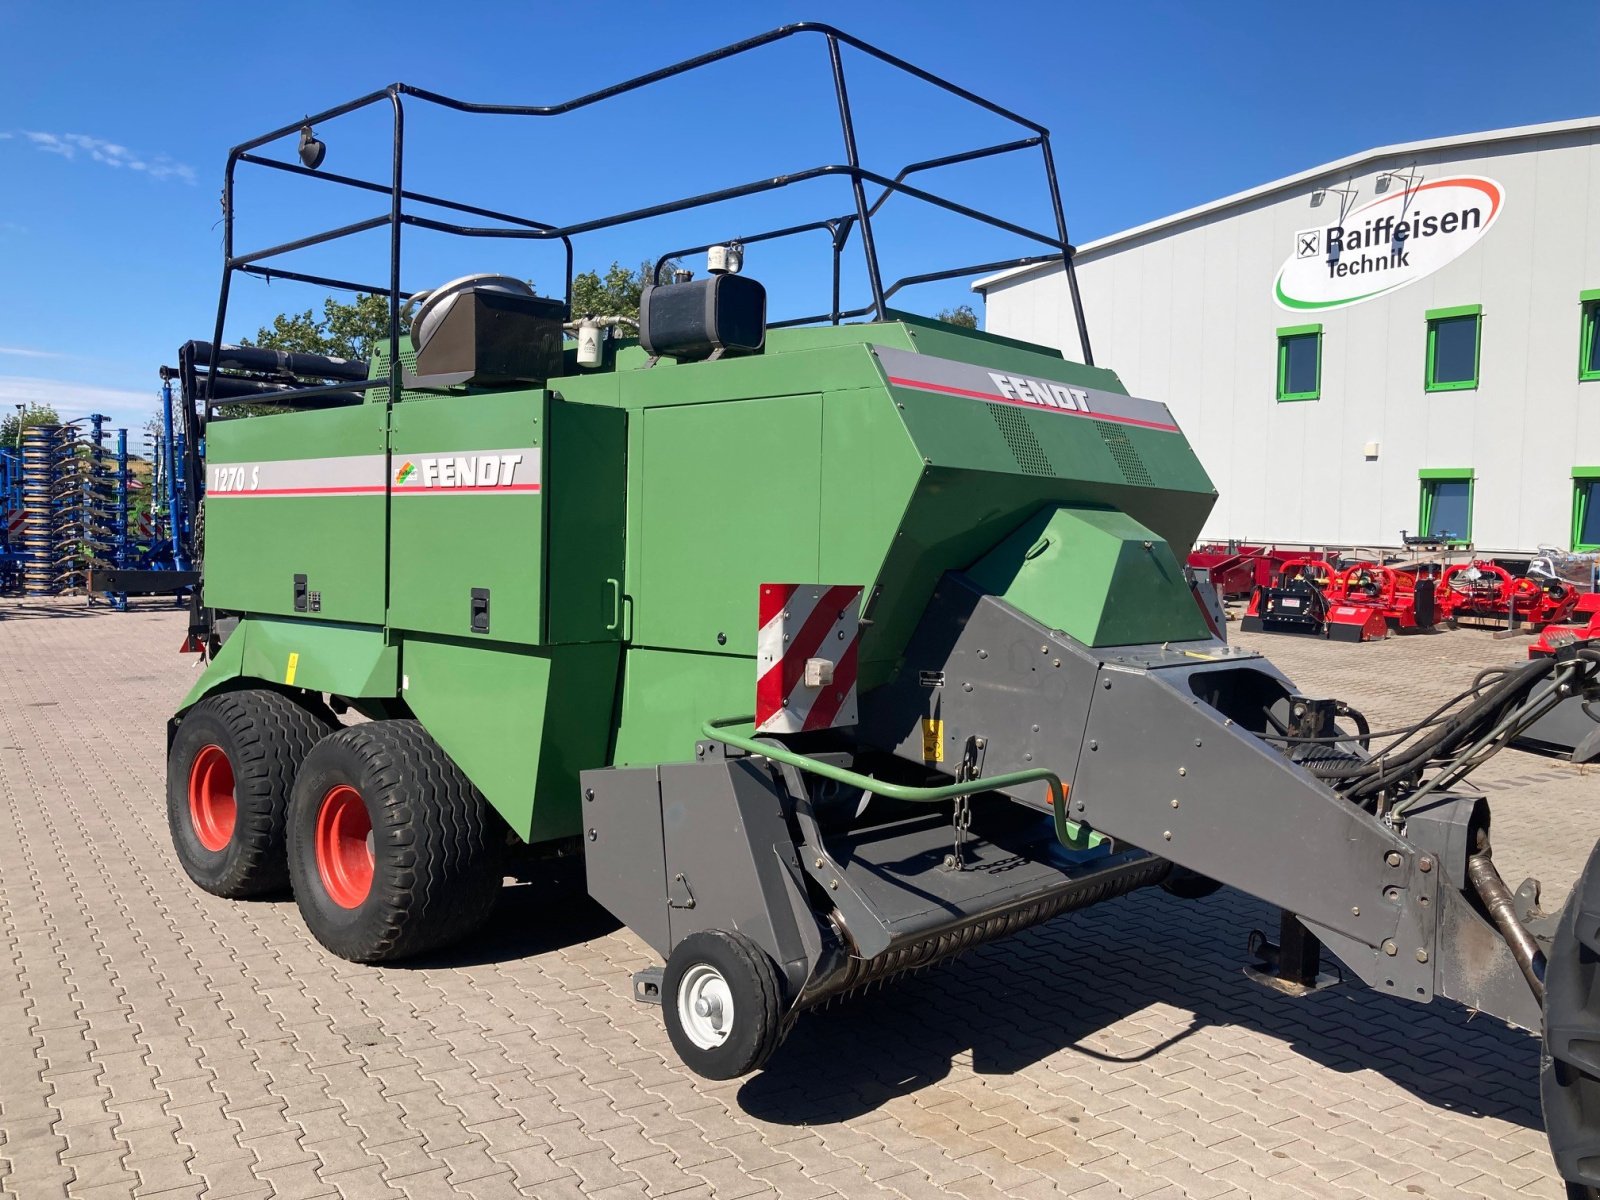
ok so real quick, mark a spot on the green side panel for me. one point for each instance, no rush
(345, 660)
(729, 501)
(666, 696)
(225, 666)
(870, 471)
(849, 365)
(256, 544)
(1098, 575)
(521, 722)
(446, 542)
(586, 501)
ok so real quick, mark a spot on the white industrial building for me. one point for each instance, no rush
(1401, 340)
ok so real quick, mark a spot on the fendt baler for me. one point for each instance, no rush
(834, 648)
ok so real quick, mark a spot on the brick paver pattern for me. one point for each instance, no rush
(159, 1042)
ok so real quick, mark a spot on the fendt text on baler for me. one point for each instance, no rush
(835, 645)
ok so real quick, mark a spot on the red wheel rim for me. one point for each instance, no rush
(212, 809)
(344, 846)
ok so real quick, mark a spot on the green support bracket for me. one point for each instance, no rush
(1072, 834)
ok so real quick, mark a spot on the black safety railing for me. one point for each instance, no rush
(840, 228)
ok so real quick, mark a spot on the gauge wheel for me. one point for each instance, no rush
(722, 999)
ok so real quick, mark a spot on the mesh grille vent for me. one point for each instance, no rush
(1025, 448)
(1124, 454)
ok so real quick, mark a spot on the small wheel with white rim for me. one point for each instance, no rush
(723, 1002)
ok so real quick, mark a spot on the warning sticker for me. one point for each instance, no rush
(294, 665)
(933, 739)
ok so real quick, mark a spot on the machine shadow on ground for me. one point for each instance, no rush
(1012, 1005)
(54, 609)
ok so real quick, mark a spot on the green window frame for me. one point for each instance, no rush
(1289, 339)
(1430, 479)
(1589, 335)
(1441, 317)
(1585, 504)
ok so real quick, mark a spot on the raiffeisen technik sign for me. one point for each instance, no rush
(1387, 244)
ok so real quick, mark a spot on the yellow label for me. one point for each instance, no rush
(294, 665)
(933, 739)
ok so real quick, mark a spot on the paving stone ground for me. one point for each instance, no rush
(158, 1042)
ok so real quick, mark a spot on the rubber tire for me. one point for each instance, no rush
(757, 1003)
(438, 848)
(1569, 1083)
(1189, 885)
(266, 736)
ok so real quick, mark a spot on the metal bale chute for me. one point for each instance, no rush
(835, 646)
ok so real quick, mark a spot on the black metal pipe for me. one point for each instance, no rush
(396, 212)
(690, 64)
(950, 160)
(282, 362)
(868, 249)
(315, 239)
(1067, 252)
(342, 285)
(743, 239)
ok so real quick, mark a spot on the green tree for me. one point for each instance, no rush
(616, 293)
(15, 422)
(961, 315)
(353, 330)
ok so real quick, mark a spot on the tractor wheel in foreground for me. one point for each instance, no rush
(1188, 885)
(722, 1000)
(229, 775)
(392, 851)
(1569, 1076)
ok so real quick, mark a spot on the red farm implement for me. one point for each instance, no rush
(1238, 569)
(1486, 591)
(1367, 600)
(1296, 601)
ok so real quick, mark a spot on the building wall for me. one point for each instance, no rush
(1186, 315)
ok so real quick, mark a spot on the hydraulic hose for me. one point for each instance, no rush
(1496, 898)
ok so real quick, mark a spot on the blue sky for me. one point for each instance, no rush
(115, 121)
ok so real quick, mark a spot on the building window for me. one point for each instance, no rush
(1446, 513)
(1300, 362)
(1454, 335)
(1585, 509)
(1589, 335)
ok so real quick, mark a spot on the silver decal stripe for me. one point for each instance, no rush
(945, 376)
(456, 472)
(353, 475)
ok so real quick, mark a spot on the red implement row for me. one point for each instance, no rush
(1482, 590)
(1359, 604)
(1237, 570)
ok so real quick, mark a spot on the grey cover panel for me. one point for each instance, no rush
(925, 372)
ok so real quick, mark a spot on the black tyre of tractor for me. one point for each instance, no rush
(1188, 885)
(392, 851)
(229, 775)
(1569, 1075)
(723, 1003)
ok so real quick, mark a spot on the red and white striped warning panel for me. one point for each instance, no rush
(806, 657)
(14, 520)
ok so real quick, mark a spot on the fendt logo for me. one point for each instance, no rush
(474, 470)
(1043, 392)
(1387, 244)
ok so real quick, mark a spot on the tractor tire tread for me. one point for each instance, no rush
(271, 736)
(447, 879)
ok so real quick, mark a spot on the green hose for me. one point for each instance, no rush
(1072, 834)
